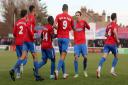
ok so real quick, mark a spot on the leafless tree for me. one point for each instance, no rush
(12, 10)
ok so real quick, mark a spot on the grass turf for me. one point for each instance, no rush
(8, 59)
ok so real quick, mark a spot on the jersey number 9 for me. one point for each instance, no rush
(64, 24)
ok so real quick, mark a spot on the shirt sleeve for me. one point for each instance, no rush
(87, 25)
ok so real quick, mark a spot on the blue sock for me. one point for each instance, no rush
(76, 66)
(52, 67)
(41, 64)
(102, 60)
(36, 67)
(60, 64)
(18, 70)
(63, 67)
(17, 65)
(24, 62)
(115, 60)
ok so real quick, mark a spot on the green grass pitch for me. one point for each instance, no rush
(8, 59)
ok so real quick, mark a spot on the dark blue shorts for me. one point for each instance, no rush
(110, 48)
(48, 54)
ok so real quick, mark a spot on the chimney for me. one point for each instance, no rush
(103, 15)
(108, 18)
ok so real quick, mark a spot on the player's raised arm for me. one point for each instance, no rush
(87, 25)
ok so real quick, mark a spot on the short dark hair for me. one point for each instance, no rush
(79, 12)
(65, 7)
(50, 20)
(31, 7)
(113, 16)
(23, 13)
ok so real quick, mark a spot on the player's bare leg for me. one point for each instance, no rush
(85, 66)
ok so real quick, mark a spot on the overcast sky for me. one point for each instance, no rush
(118, 6)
